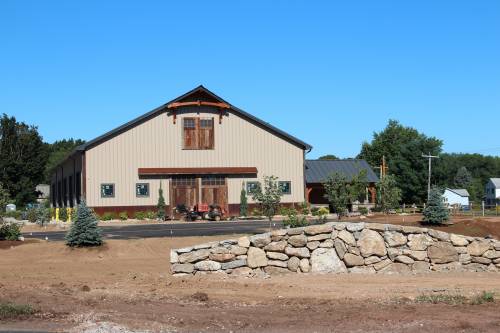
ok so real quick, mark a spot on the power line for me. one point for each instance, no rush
(430, 157)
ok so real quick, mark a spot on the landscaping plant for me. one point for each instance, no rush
(243, 202)
(294, 220)
(435, 212)
(63, 214)
(161, 205)
(9, 231)
(389, 194)
(269, 197)
(84, 231)
(337, 194)
(42, 215)
(123, 216)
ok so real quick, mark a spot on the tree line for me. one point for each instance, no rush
(26, 160)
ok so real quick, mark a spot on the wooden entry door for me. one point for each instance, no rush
(214, 191)
(183, 191)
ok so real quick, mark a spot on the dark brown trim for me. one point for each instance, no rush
(221, 105)
(198, 171)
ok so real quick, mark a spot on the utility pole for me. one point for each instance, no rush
(430, 157)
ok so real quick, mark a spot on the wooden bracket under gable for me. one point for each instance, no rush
(220, 105)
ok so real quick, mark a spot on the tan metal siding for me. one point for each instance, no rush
(158, 143)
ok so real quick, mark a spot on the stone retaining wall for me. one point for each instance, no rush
(340, 247)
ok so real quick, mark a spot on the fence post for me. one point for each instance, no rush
(483, 207)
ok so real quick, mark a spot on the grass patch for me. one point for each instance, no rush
(442, 299)
(13, 311)
(484, 297)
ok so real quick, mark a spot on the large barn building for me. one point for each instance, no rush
(198, 147)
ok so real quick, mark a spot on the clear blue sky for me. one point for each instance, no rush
(328, 72)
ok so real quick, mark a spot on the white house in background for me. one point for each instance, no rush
(456, 196)
(493, 191)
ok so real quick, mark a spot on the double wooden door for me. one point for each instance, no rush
(192, 190)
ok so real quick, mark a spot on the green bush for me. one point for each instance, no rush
(14, 311)
(32, 214)
(9, 231)
(304, 208)
(363, 210)
(15, 214)
(151, 215)
(314, 211)
(140, 215)
(42, 215)
(256, 212)
(123, 216)
(286, 211)
(108, 216)
(63, 214)
(294, 220)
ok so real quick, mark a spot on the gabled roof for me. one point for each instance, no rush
(200, 90)
(318, 171)
(496, 182)
(459, 191)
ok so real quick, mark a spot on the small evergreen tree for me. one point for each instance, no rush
(161, 205)
(243, 202)
(435, 212)
(268, 198)
(337, 193)
(84, 230)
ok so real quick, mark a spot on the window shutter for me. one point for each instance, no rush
(190, 133)
(206, 131)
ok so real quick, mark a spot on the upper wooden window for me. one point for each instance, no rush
(198, 133)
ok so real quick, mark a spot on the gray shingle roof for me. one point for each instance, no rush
(460, 191)
(496, 182)
(317, 171)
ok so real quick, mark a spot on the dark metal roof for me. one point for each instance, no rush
(162, 108)
(317, 171)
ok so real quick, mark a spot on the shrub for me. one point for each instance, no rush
(322, 213)
(15, 214)
(42, 215)
(363, 210)
(13, 311)
(150, 215)
(256, 212)
(140, 215)
(32, 214)
(294, 220)
(285, 211)
(63, 214)
(123, 216)
(9, 231)
(314, 211)
(108, 216)
(85, 230)
(304, 208)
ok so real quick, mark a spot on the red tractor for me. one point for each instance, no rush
(201, 211)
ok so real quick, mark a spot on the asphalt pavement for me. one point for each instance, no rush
(170, 230)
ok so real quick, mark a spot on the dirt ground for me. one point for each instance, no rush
(462, 225)
(128, 282)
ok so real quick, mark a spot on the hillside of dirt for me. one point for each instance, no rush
(128, 283)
